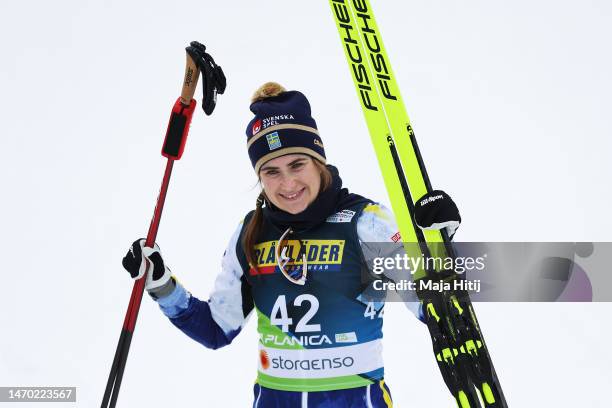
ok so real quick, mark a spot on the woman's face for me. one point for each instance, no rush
(291, 182)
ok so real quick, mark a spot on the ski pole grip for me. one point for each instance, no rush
(192, 73)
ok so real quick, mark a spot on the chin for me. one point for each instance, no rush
(295, 209)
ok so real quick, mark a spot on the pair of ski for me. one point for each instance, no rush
(458, 343)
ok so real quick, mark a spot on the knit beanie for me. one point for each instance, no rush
(282, 125)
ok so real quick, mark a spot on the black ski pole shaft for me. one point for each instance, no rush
(174, 144)
(454, 372)
(494, 388)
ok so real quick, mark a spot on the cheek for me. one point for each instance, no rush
(315, 183)
(269, 186)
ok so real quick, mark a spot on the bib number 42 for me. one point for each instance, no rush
(371, 311)
(280, 317)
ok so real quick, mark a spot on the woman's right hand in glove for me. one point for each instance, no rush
(159, 279)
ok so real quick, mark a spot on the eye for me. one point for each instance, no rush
(271, 172)
(298, 165)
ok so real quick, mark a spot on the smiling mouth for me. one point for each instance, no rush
(294, 196)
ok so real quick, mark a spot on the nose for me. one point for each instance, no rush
(289, 182)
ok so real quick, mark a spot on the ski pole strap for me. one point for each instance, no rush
(213, 78)
(178, 127)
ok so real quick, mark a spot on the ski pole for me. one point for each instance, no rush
(174, 144)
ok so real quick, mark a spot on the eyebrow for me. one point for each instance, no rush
(290, 164)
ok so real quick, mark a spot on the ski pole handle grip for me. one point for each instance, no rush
(182, 112)
(192, 73)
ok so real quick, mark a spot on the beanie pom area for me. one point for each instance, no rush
(267, 90)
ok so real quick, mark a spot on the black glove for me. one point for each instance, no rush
(213, 77)
(436, 210)
(159, 279)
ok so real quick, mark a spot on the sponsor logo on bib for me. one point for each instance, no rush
(342, 216)
(346, 337)
(264, 359)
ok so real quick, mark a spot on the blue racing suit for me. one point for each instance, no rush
(320, 343)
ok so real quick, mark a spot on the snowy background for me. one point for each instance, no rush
(510, 102)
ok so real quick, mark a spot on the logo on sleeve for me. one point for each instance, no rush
(396, 237)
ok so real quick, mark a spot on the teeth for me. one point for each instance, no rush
(291, 196)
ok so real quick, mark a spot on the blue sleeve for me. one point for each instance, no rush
(197, 322)
(377, 224)
(218, 321)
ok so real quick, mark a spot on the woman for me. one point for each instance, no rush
(296, 262)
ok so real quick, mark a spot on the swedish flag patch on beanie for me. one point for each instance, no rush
(282, 125)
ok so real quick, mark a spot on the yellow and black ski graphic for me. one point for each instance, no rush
(458, 344)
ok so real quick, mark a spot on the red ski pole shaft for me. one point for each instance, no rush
(174, 144)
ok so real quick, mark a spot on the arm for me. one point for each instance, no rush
(216, 322)
(376, 224)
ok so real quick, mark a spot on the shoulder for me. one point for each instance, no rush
(234, 247)
(236, 241)
(245, 220)
(376, 223)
